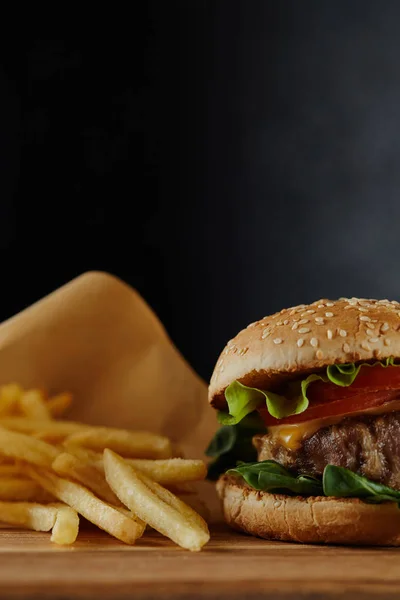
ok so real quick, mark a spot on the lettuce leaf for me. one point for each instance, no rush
(243, 400)
(270, 476)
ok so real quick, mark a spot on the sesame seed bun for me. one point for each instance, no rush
(307, 338)
(311, 520)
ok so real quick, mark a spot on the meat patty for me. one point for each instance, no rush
(368, 445)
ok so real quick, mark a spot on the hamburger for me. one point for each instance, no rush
(309, 405)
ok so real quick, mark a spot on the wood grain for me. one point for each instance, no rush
(231, 566)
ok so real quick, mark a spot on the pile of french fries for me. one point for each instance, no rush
(53, 471)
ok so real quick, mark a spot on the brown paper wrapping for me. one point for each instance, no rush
(97, 338)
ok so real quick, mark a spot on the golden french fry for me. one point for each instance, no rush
(70, 466)
(84, 454)
(26, 448)
(33, 406)
(57, 405)
(154, 504)
(93, 509)
(172, 470)
(55, 430)
(135, 444)
(66, 527)
(12, 469)
(20, 489)
(9, 397)
(29, 515)
(198, 505)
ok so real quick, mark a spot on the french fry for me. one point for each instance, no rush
(66, 527)
(90, 457)
(172, 470)
(68, 465)
(54, 430)
(32, 405)
(9, 397)
(93, 509)
(29, 515)
(26, 448)
(198, 505)
(12, 469)
(22, 489)
(134, 444)
(59, 404)
(154, 504)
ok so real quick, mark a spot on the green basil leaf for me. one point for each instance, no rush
(232, 443)
(270, 476)
(342, 483)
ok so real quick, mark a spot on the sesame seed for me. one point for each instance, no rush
(294, 320)
(398, 314)
(370, 332)
(300, 342)
(221, 369)
(346, 348)
(361, 309)
(319, 354)
(373, 340)
(279, 323)
(329, 314)
(292, 312)
(304, 330)
(304, 321)
(286, 321)
(321, 305)
(234, 349)
(342, 332)
(310, 311)
(295, 326)
(265, 334)
(314, 342)
(365, 346)
(330, 304)
(394, 302)
(319, 320)
(385, 327)
(374, 320)
(329, 334)
(348, 306)
(387, 342)
(278, 341)
(364, 318)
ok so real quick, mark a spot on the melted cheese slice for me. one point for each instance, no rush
(292, 436)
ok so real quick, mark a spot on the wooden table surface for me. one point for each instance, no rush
(231, 566)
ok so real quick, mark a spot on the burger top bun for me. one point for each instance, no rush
(307, 338)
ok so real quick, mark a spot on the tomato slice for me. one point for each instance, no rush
(342, 406)
(372, 387)
(369, 379)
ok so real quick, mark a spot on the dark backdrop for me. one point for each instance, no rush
(226, 158)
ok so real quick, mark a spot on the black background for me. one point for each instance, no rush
(226, 158)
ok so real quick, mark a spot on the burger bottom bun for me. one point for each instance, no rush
(308, 520)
